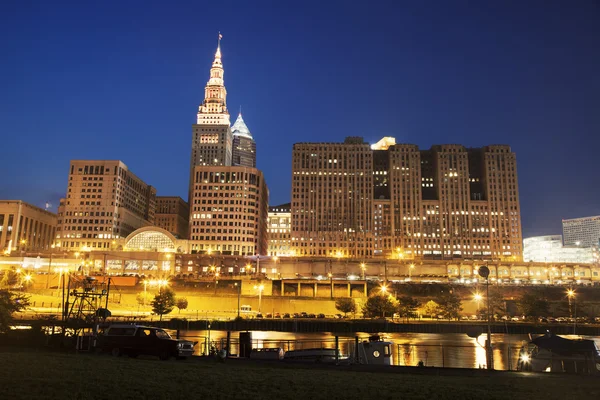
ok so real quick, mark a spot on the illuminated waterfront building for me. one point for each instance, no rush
(104, 201)
(584, 232)
(228, 212)
(550, 249)
(172, 214)
(395, 200)
(279, 226)
(244, 146)
(25, 227)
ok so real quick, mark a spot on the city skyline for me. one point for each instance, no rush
(532, 91)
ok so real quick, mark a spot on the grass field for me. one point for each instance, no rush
(30, 374)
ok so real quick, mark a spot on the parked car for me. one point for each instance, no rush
(277, 315)
(515, 319)
(259, 316)
(286, 315)
(311, 316)
(321, 316)
(295, 315)
(134, 340)
(269, 315)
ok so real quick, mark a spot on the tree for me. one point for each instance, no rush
(450, 305)
(181, 303)
(345, 305)
(143, 298)
(497, 304)
(379, 305)
(532, 305)
(163, 302)
(10, 303)
(9, 278)
(407, 307)
(431, 308)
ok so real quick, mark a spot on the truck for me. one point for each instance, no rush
(134, 340)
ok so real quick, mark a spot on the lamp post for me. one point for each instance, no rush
(477, 297)
(410, 268)
(484, 272)
(145, 288)
(239, 286)
(260, 288)
(383, 290)
(363, 267)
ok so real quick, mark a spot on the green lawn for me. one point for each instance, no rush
(30, 374)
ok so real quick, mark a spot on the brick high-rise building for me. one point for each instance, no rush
(211, 134)
(280, 219)
(228, 212)
(104, 201)
(446, 202)
(172, 214)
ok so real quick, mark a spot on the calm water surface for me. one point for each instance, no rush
(451, 350)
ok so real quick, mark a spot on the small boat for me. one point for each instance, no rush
(552, 353)
(315, 354)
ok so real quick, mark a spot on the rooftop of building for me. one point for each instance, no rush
(24, 203)
(287, 207)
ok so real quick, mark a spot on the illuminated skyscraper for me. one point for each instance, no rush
(244, 147)
(211, 134)
(349, 199)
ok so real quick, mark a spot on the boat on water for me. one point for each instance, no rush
(374, 351)
(553, 353)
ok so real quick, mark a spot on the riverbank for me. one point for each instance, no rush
(44, 375)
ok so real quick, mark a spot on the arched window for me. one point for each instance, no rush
(150, 240)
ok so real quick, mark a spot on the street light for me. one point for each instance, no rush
(239, 286)
(260, 289)
(330, 275)
(484, 272)
(478, 297)
(410, 268)
(363, 268)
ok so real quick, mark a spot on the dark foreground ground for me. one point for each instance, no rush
(30, 374)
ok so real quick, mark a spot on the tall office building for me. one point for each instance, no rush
(211, 134)
(172, 214)
(244, 146)
(583, 232)
(228, 212)
(332, 199)
(104, 201)
(25, 227)
(443, 203)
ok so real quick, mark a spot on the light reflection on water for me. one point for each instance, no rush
(433, 349)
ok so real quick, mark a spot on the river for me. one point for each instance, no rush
(450, 350)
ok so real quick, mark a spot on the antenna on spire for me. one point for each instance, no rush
(240, 109)
(219, 41)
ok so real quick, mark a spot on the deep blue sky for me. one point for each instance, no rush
(123, 80)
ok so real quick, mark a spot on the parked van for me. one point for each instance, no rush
(246, 309)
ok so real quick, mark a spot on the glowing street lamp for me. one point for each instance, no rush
(363, 268)
(410, 268)
(478, 297)
(570, 295)
(383, 289)
(260, 289)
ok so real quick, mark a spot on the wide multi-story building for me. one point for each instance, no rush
(279, 226)
(228, 212)
(25, 227)
(172, 214)
(211, 134)
(550, 249)
(244, 146)
(583, 232)
(398, 201)
(104, 201)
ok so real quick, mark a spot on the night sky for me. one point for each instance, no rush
(105, 80)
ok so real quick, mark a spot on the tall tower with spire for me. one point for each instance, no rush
(244, 146)
(211, 134)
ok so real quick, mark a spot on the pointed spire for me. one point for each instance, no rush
(239, 128)
(217, 62)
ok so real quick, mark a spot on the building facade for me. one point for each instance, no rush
(401, 202)
(228, 212)
(244, 146)
(550, 249)
(584, 232)
(172, 215)
(104, 201)
(332, 199)
(279, 227)
(25, 227)
(211, 134)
